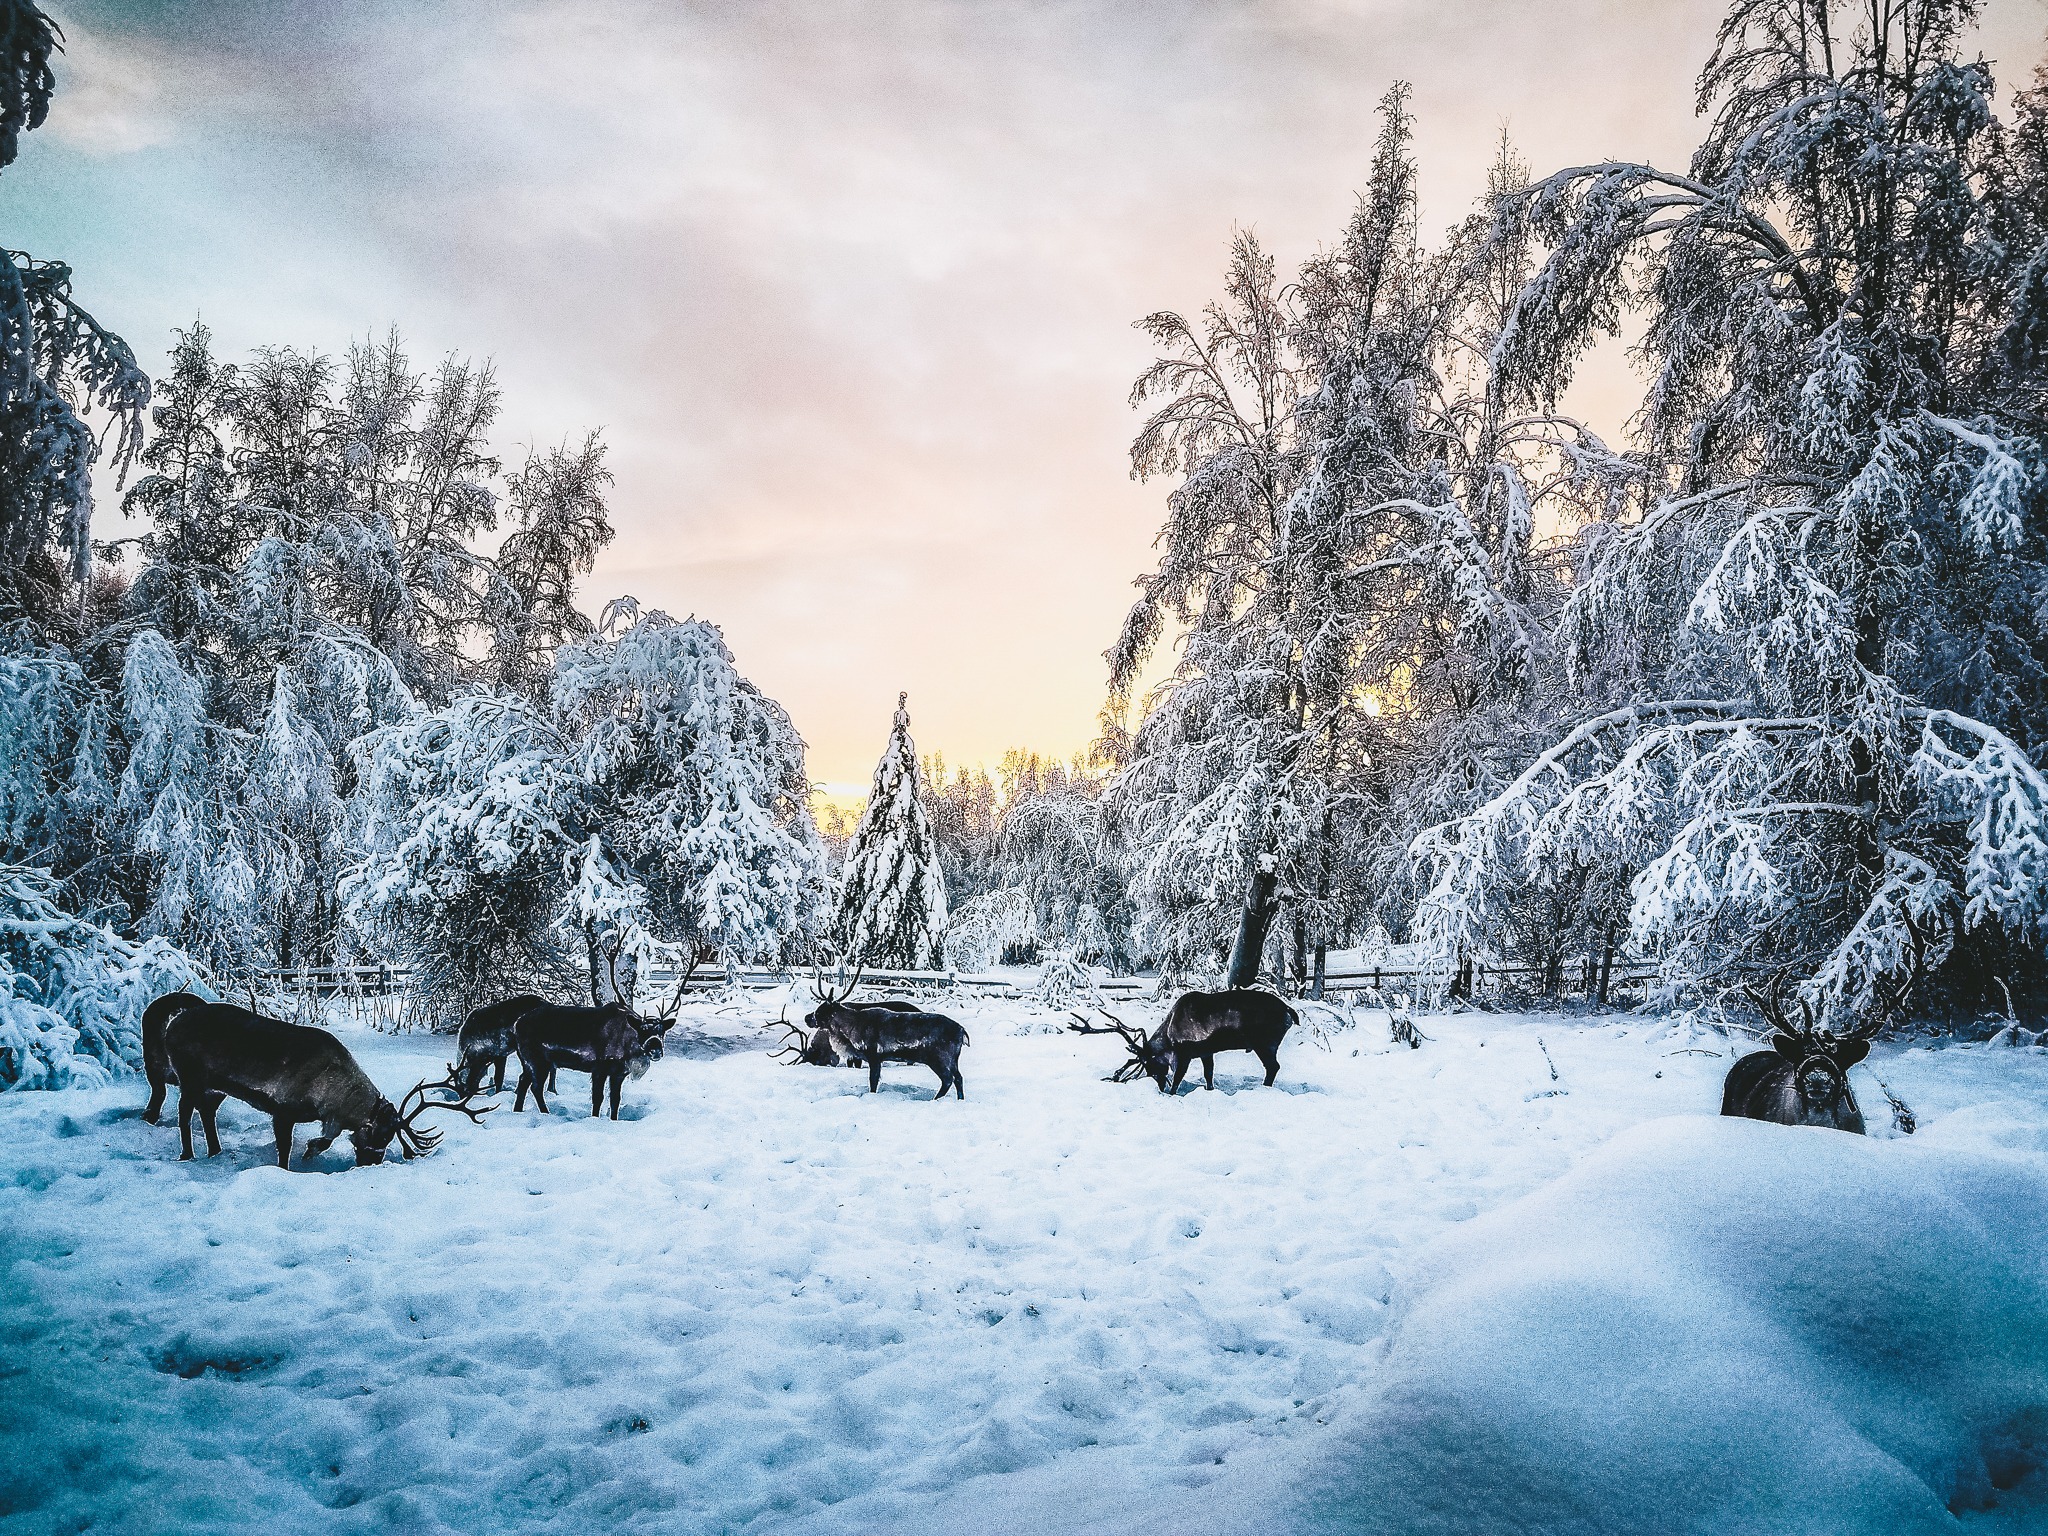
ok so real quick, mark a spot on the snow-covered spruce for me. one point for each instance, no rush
(892, 891)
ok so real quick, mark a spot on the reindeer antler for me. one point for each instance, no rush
(1132, 1038)
(417, 1142)
(795, 1052)
(826, 994)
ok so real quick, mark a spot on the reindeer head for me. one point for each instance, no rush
(1820, 1059)
(832, 997)
(1145, 1061)
(388, 1122)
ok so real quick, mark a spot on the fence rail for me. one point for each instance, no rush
(385, 980)
(375, 981)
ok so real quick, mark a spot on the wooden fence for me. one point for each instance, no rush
(321, 983)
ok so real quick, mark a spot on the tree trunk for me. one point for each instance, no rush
(1316, 987)
(1300, 957)
(1259, 909)
(1606, 966)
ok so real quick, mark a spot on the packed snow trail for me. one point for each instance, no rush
(765, 1298)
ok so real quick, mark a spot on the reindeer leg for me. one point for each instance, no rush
(282, 1129)
(188, 1100)
(1209, 1071)
(598, 1073)
(1271, 1061)
(207, 1108)
(497, 1083)
(1180, 1070)
(618, 1084)
(156, 1102)
(875, 1074)
(959, 1089)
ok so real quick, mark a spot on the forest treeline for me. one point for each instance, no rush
(1753, 689)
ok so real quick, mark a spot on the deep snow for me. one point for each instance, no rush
(768, 1301)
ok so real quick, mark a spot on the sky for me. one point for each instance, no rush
(849, 287)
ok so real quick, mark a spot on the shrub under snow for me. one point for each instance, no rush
(71, 991)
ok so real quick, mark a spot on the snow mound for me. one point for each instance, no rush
(1719, 1325)
(1707, 1326)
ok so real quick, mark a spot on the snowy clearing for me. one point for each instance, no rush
(766, 1300)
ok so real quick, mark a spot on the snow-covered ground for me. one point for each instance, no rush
(767, 1301)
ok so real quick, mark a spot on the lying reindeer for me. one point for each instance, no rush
(610, 1042)
(487, 1037)
(156, 1060)
(1199, 1025)
(890, 1033)
(294, 1074)
(1803, 1078)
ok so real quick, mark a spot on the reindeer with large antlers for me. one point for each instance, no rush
(877, 1032)
(1803, 1078)
(1198, 1026)
(813, 1044)
(294, 1074)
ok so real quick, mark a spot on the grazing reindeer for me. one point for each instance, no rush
(1199, 1025)
(156, 1059)
(1803, 1079)
(487, 1037)
(879, 1034)
(610, 1042)
(294, 1074)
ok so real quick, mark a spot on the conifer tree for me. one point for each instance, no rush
(892, 892)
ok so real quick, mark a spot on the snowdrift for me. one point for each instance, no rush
(1708, 1326)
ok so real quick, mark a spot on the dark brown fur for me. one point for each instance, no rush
(156, 1061)
(887, 1033)
(1798, 1081)
(610, 1043)
(1198, 1026)
(815, 1045)
(487, 1037)
(291, 1073)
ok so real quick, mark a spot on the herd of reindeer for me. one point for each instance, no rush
(212, 1051)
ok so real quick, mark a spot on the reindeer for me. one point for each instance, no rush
(813, 1045)
(610, 1042)
(1199, 1025)
(294, 1074)
(889, 1032)
(156, 1060)
(1803, 1078)
(487, 1037)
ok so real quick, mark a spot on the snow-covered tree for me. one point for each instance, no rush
(559, 508)
(71, 990)
(1812, 645)
(892, 891)
(56, 362)
(656, 811)
(697, 782)
(472, 817)
(1349, 558)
